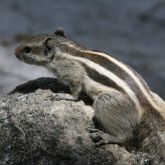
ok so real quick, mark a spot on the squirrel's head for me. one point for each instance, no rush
(40, 49)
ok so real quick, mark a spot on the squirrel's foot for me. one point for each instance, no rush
(99, 138)
(58, 97)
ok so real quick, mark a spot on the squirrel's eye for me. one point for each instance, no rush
(27, 49)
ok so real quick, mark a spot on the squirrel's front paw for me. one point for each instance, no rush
(61, 96)
(99, 138)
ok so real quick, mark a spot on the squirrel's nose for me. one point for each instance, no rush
(18, 51)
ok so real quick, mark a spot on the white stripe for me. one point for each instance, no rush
(93, 88)
(109, 75)
(155, 104)
(125, 68)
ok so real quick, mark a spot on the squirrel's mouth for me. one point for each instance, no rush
(26, 59)
(20, 56)
(32, 59)
(23, 58)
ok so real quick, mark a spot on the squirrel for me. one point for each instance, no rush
(123, 102)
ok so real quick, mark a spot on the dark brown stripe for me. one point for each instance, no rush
(100, 78)
(142, 81)
(114, 69)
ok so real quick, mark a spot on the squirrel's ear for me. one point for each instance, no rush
(60, 32)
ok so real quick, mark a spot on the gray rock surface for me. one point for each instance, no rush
(39, 128)
(132, 31)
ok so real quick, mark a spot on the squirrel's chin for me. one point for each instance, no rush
(20, 57)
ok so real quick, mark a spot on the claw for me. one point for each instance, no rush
(62, 97)
(93, 130)
(99, 138)
(95, 137)
(100, 143)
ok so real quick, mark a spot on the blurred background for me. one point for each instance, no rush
(132, 31)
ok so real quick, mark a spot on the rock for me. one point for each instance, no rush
(131, 31)
(38, 127)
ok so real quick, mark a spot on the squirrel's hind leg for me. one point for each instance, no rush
(117, 114)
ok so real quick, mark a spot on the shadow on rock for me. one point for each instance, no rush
(34, 129)
(48, 83)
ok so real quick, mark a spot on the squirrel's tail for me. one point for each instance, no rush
(152, 137)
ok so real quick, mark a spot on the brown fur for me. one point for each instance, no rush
(114, 108)
(115, 69)
(151, 136)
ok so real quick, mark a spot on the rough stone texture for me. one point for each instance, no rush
(131, 31)
(38, 127)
